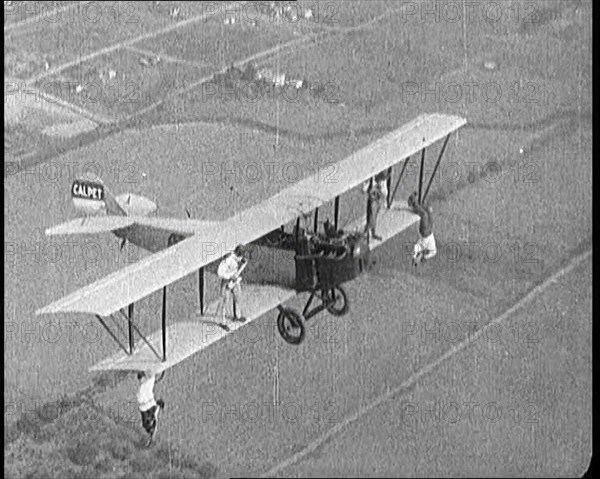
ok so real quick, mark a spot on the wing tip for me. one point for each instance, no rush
(54, 230)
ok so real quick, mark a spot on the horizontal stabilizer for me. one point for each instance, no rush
(91, 225)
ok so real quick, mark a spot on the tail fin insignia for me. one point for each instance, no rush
(87, 190)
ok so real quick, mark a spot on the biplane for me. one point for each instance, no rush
(323, 262)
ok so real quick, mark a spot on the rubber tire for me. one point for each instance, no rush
(296, 319)
(339, 294)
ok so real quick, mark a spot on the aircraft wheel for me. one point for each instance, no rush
(339, 306)
(290, 325)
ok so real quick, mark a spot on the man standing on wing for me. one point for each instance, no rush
(425, 246)
(229, 273)
(376, 189)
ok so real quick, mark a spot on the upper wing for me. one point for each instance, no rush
(134, 282)
(393, 148)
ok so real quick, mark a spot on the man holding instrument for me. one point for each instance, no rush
(229, 271)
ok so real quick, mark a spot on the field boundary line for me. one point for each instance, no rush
(53, 102)
(264, 53)
(415, 377)
(167, 58)
(75, 108)
(204, 79)
(128, 44)
(123, 44)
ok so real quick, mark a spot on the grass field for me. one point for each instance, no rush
(513, 223)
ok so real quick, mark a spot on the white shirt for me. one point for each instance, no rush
(145, 395)
(229, 266)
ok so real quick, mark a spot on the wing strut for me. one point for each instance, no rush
(421, 173)
(388, 184)
(336, 212)
(114, 336)
(130, 321)
(201, 289)
(391, 199)
(436, 165)
(164, 325)
(368, 208)
(133, 327)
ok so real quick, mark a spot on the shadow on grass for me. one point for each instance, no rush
(89, 441)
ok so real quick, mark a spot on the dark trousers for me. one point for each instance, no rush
(149, 419)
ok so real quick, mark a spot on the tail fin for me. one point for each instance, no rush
(91, 197)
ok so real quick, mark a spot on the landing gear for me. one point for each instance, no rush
(291, 323)
(338, 301)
